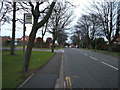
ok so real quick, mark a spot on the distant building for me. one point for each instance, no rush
(5, 38)
(49, 40)
(21, 39)
(38, 39)
(118, 40)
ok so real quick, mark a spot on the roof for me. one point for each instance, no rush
(6, 38)
(26, 39)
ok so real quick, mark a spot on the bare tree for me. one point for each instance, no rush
(13, 29)
(6, 7)
(75, 38)
(107, 12)
(1, 3)
(87, 29)
(36, 25)
(62, 37)
(35, 10)
(84, 26)
(44, 30)
(59, 20)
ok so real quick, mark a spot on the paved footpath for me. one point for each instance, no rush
(46, 77)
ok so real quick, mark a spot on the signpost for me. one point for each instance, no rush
(27, 20)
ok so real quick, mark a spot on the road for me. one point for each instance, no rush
(87, 69)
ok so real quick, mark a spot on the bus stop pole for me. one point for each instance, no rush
(24, 44)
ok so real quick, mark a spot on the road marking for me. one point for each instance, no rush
(64, 86)
(93, 58)
(68, 82)
(110, 65)
(75, 76)
(85, 54)
(25, 81)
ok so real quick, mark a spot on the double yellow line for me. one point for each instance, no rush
(68, 82)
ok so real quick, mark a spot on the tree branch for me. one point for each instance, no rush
(37, 6)
(32, 8)
(45, 19)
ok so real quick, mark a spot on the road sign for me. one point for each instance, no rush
(28, 18)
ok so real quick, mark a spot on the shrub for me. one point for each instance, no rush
(114, 48)
(98, 46)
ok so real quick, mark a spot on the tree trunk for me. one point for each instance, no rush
(53, 43)
(12, 51)
(42, 41)
(111, 27)
(43, 34)
(110, 47)
(29, 49)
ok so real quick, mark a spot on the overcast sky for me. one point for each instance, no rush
(78, 11)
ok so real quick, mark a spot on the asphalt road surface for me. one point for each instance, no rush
(87, 69)
(45, 77)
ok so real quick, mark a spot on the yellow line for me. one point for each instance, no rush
(76, 76)
(68, 81)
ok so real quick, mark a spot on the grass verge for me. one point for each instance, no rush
(33, 48)
(116, 54)
(12, 66)
(109, 53)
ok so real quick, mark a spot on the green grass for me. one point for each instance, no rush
(106, 52)
(39, 58)
(109, 53)
(40, 48)
(33, 48)
(12, 66)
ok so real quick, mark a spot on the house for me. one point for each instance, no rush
(118, 40)
(49, 40)
(38, 39)
(21, 39)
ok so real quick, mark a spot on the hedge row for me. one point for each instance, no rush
(113, 48)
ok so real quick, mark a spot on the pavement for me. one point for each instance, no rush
(88, 69)
(46, 77)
